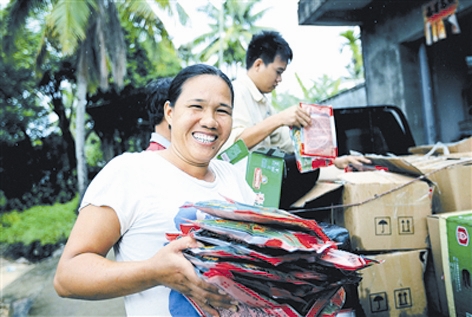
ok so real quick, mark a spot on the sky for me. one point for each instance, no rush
(316, 49)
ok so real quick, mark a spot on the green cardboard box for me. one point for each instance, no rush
(235, 153)
(452, 255)
(263, 168)
(459, 246)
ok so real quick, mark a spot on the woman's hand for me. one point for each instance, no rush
(175, 271)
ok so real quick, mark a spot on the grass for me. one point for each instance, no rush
(46, 224)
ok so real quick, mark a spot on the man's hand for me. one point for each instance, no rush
(355, 160)
(294, 116)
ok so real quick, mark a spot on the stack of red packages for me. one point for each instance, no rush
(272, 262)
(315, 145)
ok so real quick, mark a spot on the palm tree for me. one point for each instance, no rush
(355, 68)
(231, 28)
(93, 32)
(322, 88)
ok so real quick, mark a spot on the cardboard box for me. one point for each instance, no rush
(384, 211)
(264, 174)
(438, 298)
(461, 146)
(263, 169)
(395, 287)
(452, 177)
(235, 154)
(450, 236)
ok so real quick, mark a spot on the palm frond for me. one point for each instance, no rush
(115, 44)
(16, 14)
(69, 20)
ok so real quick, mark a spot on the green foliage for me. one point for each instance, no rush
(67, 22)
(230, 32)
(322, 88)
(46, 224)
(147, 60)
(281, 101)
(3, 200)
(93, 152)
(21, 115)
(356, 66)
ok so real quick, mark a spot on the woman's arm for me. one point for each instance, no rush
(85, 272)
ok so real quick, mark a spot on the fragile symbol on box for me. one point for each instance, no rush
(402, 298)
(378, 302)
(383, 226)
(405, 225)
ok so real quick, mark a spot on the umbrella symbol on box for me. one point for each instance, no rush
(378, 302)
(378, 299)
(382, 226)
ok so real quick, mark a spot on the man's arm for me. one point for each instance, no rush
(293, 116)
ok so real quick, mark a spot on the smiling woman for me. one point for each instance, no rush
(200, 119)
(136, 200)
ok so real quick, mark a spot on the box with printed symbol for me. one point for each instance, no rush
(387, 291)
(384, 211)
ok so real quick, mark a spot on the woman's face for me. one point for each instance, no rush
(201, 119)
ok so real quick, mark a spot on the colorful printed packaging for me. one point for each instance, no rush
(272, 262)
(315, 146)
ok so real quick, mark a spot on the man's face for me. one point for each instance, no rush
(267, 77)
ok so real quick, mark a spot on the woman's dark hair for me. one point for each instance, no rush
(192, 71)
(266, 45)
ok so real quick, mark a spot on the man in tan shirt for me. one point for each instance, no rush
(258, 124)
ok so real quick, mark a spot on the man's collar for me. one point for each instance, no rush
(255, 93)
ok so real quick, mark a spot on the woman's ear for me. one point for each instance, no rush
(168, 111)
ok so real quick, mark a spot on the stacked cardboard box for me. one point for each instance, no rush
(451, 175)
(395, 288)
(450, 178)
(461, 146)
(451, 245)
(385, 214)
(384, 211)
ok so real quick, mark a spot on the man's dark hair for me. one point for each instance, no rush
(266, 45)
(156, 96)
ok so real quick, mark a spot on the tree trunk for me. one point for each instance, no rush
(108, 147)
(82, 177)
(64, 125)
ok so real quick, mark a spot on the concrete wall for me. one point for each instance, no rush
(354, 97)
(390, 69)
(391, 44)
(448, 64)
